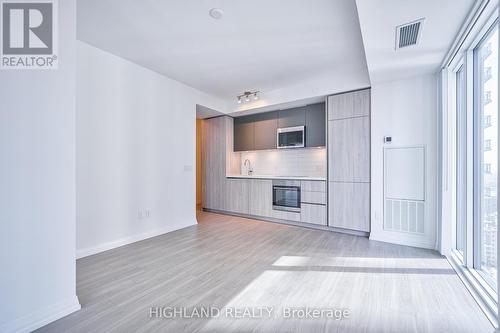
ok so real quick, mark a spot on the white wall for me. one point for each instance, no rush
(37, 191)
(307, 90)
(406, 110)
(310, 162)
(135, 141)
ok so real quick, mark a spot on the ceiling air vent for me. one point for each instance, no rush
(408, 34)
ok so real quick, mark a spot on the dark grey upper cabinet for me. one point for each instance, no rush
(316, 125)
(244, 134)
(292, 117)
(258, 131)
(265, 128)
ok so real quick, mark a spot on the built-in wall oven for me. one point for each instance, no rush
(286, 197)
(291, 137)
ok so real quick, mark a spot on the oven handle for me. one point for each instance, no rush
(287, 187)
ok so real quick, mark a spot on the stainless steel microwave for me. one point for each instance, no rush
(291, 137)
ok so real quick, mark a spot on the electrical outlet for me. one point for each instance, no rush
(140, 214)
(148, 213)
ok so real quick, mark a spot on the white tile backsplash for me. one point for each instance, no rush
(310, 162)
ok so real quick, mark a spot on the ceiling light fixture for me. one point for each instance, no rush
(216, 13)
(246, 96)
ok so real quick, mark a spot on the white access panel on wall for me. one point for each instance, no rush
(404, 184)
(405, 173)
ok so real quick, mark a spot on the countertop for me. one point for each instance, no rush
(276, 177)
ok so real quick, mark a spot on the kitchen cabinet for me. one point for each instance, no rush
(349, 105)
(236, 196)
(349, 160)
(258, 131)
(313, 197)
(260, 197)
(313, 213)
(349, 149)
(313, 186)
(315, 125)
(215, 133)
(292, 117)
(349, 206)
(244, 133)
(265, 129)
(313, 202)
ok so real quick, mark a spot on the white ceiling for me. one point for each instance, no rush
(379, 19)
(257, 45)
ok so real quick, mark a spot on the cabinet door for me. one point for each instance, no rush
(360, 149)
(349, 105)
(265, 129)
(214, 165)
(349, 206)
(316, 125)
(313, 185)
(261, 197)
(339, 154)
(315, 214)
(349, 149)
(236, 198)
(243, 134)
(292, 117)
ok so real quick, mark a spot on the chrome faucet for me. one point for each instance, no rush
(249, 167)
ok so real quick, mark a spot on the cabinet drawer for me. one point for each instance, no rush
(283, 182)
(313, 197)
(288, 216)
(315, 214)
(313, 186)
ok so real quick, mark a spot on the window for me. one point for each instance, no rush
(487, 121)
(470, 137)
(487, 97)
(461, 117)
(485, 152)
(487, 144)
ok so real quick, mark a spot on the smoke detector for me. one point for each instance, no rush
(216, 13)
(409, 34)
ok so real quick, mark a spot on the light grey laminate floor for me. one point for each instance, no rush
(232, 263)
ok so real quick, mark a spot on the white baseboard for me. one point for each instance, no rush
(406, 242)
(41, 317)
(85, 252)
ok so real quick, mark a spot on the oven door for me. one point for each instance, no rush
(286, 198)
(291, 137)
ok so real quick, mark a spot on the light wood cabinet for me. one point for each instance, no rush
(349, 160)
(349, 105)
(313, 213)
(349, 149)
(349, 205)
(260, 197)
(313, 197)
(236, 196)
(313, 186)
(214, 162)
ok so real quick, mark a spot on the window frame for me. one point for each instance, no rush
(479, 168)
(482, 292)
